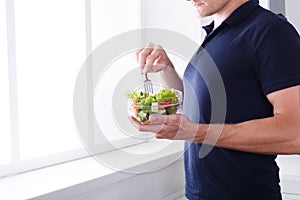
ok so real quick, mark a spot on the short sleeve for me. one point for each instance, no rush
(277, 57)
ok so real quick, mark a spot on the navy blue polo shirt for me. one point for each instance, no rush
(256, 53)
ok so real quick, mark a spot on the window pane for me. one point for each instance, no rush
(110, 18)
(4, 93)
(113, 101)
(50, 38)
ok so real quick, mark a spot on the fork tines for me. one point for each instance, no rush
(148, 85)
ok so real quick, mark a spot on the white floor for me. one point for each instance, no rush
(181, 198)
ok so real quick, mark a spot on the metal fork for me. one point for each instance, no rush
(148, 85)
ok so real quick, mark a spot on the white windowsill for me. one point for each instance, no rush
(43, 181)
(289, 175)
(88, 170)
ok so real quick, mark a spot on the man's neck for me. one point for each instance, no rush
(231, 6)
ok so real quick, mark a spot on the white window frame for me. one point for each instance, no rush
(17, 166)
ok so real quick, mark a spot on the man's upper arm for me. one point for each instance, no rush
(286, 103)
(287, 99)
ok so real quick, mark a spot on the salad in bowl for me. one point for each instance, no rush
(163, 101)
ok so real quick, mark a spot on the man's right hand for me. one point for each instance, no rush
(153, 58)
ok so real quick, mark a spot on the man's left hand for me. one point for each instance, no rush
(174, 127)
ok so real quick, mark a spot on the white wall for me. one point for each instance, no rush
(265, 3)
(292, 8)
(177, 16)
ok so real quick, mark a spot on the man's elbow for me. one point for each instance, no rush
(293, 134)
(295, 140)
(297, 143)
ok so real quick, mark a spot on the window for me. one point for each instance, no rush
(4, 97)
(119, 18)
(50, 48)
(50, 42)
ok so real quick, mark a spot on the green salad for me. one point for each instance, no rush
(164, 102)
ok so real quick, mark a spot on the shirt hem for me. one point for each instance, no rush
(281, 85)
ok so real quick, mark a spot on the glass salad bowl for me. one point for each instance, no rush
(164, 101)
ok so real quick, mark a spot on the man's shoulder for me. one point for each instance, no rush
(263, 18)
(263, 22)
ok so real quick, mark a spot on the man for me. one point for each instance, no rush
(257, 54)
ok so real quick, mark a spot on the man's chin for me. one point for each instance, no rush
(201, 14)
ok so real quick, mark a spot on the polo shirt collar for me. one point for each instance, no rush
(209, 28)
(237, 16)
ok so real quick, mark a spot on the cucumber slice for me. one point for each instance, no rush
(142, 116)
(154, 107)
(162, 112)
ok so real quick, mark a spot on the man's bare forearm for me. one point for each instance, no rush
(274, 135)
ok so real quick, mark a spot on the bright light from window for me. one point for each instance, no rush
(108, 20)
(50, 38)
(112, 18)
(4, 98)
(114, 76)
(52, 41)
